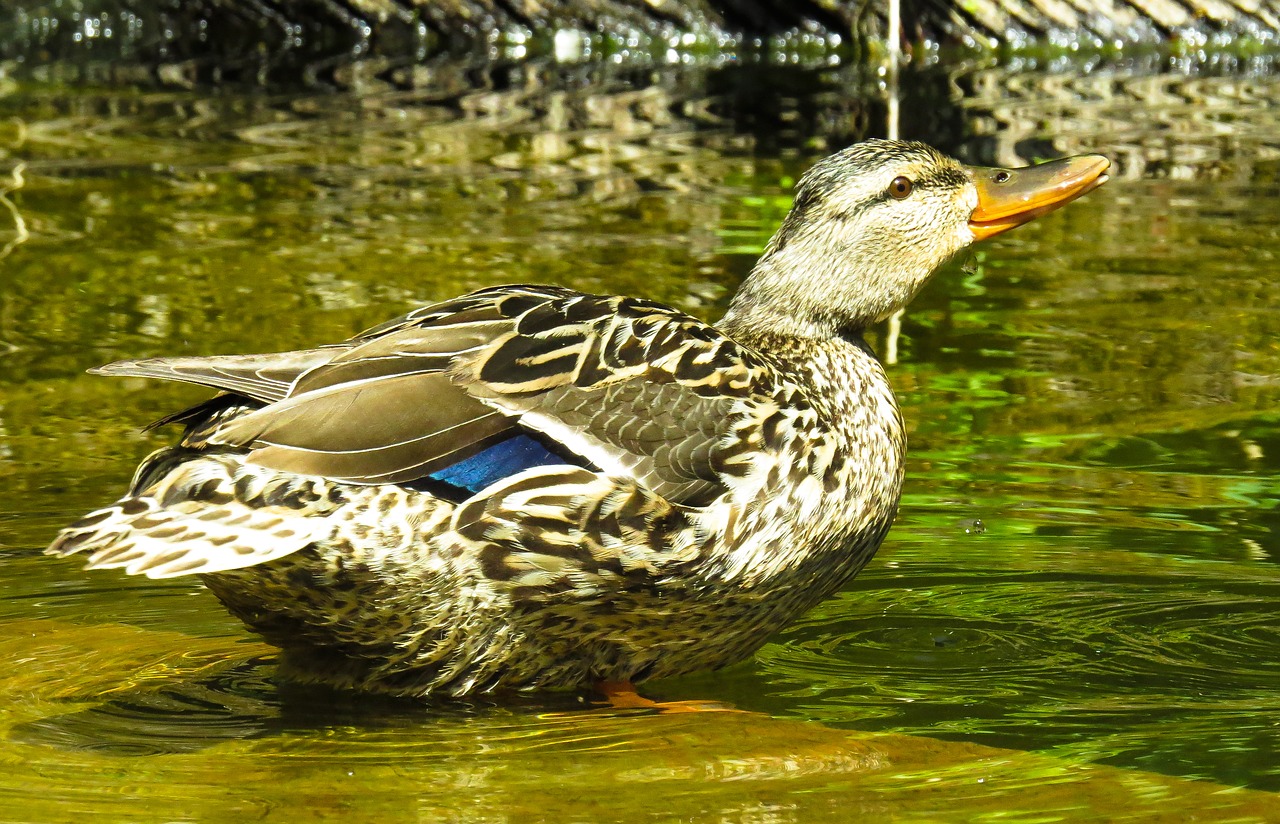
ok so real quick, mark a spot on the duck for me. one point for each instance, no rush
(532, 488)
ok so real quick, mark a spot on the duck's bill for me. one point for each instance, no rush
(1012, 197)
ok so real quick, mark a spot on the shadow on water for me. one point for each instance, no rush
(1098, 390)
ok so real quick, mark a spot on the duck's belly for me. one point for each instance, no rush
(415, 622)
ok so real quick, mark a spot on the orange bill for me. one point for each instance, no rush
(1012, 197)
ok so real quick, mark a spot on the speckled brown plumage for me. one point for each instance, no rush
(715, 483)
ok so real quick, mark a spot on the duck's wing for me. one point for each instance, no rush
(632, 387)
(264, 378)
(272, 377)
(638, 389)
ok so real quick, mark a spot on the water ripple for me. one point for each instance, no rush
(1040, 657)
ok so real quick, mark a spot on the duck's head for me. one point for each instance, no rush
(872, 223)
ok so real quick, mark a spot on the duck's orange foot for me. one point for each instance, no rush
(622, 695)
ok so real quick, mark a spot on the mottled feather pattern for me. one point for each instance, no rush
(568, 533)
(710, 468)
(207, 514)
(626, 384)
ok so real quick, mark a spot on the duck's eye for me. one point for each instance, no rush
(1002, 177)
(900, 187)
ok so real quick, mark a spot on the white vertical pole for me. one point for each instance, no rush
(894, 37)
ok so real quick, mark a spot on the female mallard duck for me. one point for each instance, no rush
(528, 487)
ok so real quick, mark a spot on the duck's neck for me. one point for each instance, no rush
(749, 318)
(796, 291)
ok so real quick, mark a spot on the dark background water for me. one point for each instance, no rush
(1075, 612)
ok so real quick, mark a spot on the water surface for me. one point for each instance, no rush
(1075, 611)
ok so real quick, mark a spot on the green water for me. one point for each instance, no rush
(1074, 616)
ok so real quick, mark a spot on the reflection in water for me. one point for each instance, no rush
(204, 743)
(1097, 390)
(20, 234)
(1166, 126)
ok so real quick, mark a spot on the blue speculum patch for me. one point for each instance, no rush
(502, 460)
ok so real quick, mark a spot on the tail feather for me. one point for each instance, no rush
(211, 514)
(135, 534)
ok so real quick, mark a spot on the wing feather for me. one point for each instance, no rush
(266, 378)
(377, 430)
(633, 387)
